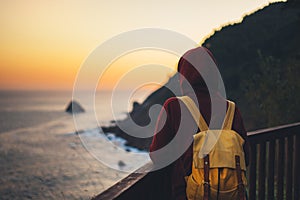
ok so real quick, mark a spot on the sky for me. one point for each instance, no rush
(44, 43)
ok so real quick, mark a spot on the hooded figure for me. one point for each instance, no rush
(198, 80)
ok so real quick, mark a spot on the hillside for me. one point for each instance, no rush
(259, 60)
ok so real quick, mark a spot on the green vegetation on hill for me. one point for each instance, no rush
(259, 62)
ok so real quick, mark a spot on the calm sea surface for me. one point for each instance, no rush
(41, 157)
(21, 109)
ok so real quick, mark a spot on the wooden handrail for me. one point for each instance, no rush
(273, 171)
(119, 188)
(285, 129)
(274, 166)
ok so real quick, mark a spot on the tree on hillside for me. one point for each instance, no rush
(272, 94)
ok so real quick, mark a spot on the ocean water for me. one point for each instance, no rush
(20, 109)
(43, 157)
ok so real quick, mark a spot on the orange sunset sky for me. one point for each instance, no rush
(44, 43)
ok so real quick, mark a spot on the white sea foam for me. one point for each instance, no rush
(113, 151)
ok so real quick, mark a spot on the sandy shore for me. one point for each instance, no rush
(45, 163)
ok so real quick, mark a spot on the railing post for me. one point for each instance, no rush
(297, 167)
(280, 168)
(289, 174)
(252, 176)
(271, 157)
(262, 171)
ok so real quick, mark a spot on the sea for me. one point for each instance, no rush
(47, 153)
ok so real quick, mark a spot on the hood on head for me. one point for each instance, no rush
(198, 71)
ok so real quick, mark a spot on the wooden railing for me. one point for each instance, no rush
(274, 168)
(273, 172)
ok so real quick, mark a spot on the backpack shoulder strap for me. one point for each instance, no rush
(195, 112)
(227, 124)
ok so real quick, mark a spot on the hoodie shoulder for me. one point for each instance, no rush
(171, 101)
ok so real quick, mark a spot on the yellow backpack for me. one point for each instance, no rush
(220, 173)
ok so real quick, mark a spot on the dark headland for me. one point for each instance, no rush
(259, 60)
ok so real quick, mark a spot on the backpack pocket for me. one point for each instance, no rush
(224, 194)
(227, 184)
(194, 190)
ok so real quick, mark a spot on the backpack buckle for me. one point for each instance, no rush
(205, 183)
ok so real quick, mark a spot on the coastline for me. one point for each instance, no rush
(140, 116)
(49, 162)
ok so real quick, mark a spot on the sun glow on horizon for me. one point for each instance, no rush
(143, 67)
(44, 43)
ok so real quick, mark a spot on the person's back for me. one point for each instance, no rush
(176, 119)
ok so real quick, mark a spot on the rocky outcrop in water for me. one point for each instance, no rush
(74, 107)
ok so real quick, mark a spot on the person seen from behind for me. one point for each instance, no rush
(211, 164)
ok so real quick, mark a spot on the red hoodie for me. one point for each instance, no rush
(176, 116)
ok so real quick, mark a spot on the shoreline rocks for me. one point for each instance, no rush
(140, 116)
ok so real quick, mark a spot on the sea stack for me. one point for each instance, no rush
(74, 107)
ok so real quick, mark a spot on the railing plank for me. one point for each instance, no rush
(280, 167)
(262, 171)
(252, 177)
(289, 170)
(271, 155)
(122, 186)
(296, 168)
(275, 132)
